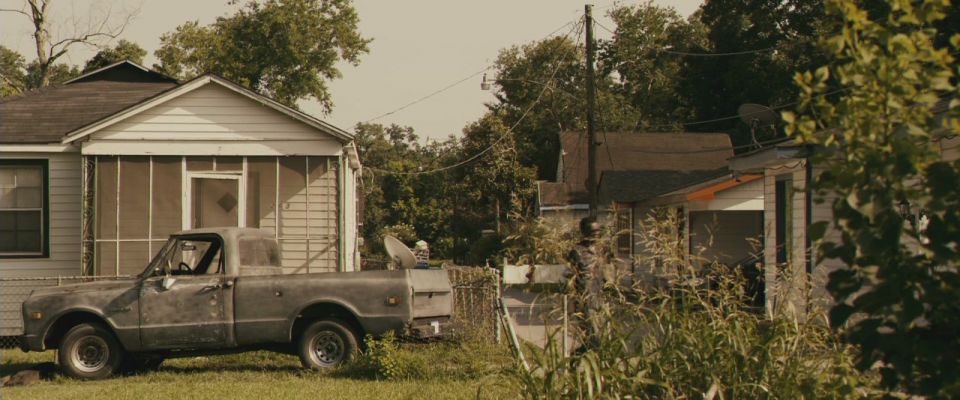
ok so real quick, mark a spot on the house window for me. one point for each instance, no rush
(784, 210)
(23, 208)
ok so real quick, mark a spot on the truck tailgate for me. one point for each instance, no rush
(432, 294)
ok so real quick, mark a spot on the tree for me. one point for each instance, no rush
(395, 195)
(12, 72)
(284, 49)
(880, 139)
(765, 42)
(647, 75)
(124, 50)
(49, 48)
(541, 92)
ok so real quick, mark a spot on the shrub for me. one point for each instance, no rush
(695, 336)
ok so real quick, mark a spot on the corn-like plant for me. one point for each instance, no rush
(684, 329)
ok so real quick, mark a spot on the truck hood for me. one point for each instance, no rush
(86, 287)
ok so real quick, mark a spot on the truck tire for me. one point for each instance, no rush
(326, 344)
(89, 351)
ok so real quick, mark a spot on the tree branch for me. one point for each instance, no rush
(16, 11)
(18, 87)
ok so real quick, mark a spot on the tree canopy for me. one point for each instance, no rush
(124, 50)
(284, 49)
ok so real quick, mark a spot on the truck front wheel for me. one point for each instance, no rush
(89, 351)
(326, 344)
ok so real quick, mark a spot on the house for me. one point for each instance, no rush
(96, 172)
(640, 172)
(789, 208)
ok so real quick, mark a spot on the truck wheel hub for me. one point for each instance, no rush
(91, 354)
(328, 347)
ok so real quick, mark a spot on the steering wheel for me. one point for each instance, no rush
(183, 267)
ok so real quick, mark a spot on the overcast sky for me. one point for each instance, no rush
(419, 47)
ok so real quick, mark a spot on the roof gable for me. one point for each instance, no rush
(122, 71)
(196, 84)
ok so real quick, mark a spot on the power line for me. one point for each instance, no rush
(454, 84)
(692, 54)
(777, 107)
(506, 134)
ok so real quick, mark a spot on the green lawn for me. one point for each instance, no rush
(265, 375)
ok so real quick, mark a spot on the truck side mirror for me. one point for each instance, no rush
(168, 282)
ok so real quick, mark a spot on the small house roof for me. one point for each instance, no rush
(46, 115)
(637, 165)
(634, 186)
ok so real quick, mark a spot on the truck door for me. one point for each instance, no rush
(182, 305)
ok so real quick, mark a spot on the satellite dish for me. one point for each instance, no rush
(759, 117)
(400, 254)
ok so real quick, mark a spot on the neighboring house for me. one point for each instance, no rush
(789, 208)
(96, 172)
(685, 172)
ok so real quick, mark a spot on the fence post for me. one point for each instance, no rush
(564, 327)
(59, 280)
(496, 321)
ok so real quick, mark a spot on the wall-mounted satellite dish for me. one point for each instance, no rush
(760, 118)
(400, 254)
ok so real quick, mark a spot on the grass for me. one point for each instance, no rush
(266, 375)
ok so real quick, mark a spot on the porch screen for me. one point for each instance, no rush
(139, 202)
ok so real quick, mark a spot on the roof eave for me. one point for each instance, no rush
(86, 130)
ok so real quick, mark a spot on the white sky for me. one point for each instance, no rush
(418, 47)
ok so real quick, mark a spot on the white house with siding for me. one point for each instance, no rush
(96, 172)
(789, 208)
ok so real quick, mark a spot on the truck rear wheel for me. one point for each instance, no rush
(326, 344)
(89, 351)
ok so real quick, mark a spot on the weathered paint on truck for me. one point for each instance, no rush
(228, 293)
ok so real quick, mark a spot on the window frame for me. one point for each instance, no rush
(44, 165)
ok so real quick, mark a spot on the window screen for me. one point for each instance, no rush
(22, 208)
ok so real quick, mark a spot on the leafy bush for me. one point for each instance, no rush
(880, 136)
(387, 358)
(694, 336)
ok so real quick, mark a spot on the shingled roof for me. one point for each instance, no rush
(46, 115)
(636, 166)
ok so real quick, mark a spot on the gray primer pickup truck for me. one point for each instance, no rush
(221, 290)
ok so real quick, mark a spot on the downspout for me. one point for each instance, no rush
(341, 214)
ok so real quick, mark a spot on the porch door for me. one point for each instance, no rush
(214, 200)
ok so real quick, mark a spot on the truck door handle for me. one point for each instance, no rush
(219, 285)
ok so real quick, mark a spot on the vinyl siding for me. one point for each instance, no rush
(64, 238)
(744, 197)
(950, 149)
(212, 120)
(793, 275)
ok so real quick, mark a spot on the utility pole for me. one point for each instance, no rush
(591, 118)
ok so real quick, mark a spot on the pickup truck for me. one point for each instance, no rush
(222, 290)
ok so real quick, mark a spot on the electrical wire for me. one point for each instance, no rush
(576, 28)
(692, 54)
(454, 84)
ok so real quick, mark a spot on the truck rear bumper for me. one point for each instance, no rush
(31, 343)
(429, 327)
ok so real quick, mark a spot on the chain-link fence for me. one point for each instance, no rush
(13, 291)
(475, 294)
